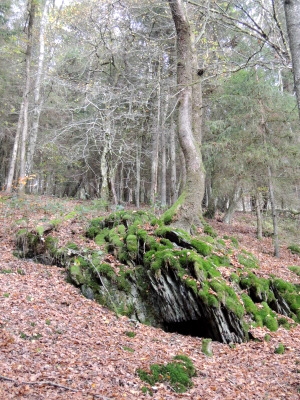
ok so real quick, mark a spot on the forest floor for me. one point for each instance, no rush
(56, 344)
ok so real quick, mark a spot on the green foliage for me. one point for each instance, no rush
(130, 334)
(235, 242)
(206, 347)
(267, 338)
(295, 269)
(283, 322)
(102, 237)
(201, 247)
(169, 215)
(295, 249)
(208, 230)
(94, 228)
(248, 260)
(5, 271)
(177, 373)
(126, 348)
(132, 246)
(106, 270)
(280, 349)
(72, 246)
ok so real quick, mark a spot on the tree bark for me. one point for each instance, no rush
(138, 173)
(274, 214)
(232, 205)
(37, 90)
(31, 15)
(155, 143)
(189, 209)
(173, 188)
(292, 13)
(13, 159)
(258, 216)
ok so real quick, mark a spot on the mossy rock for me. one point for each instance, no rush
(76, 274)
(177, 374)
(294, 248)
(248, 260)
(280, 349)
(95, 227)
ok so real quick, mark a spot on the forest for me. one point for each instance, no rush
(149, 199)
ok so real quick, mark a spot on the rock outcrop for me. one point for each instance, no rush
(163, 276)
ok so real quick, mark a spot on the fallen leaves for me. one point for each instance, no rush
(80, 350)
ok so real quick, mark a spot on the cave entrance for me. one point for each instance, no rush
(197, 328)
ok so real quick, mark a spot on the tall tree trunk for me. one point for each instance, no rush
(189, 211)
(31, 15)
(173, 188)
(258, 215)
(138, 172)
(155, 142)
(232, 205)
(274, 214)
(292, 15)
(13, 160)
(37, 89)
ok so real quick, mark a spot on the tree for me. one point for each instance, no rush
(292, 12)
(187, 210)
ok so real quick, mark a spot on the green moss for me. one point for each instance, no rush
(267, 338)
(72, 246)
(235, 306)
(284, 323)
(121, 230)
(71, 215)
(40, 230)
(219, 260)
(164, 258)
(169, 215)
(22, 232)
(234, 241)
(259, 287)
(271, 323)
(132, 246)
(76, 274)
(191, 283)
(208, 230)
(51, 244)
(210, 268)
(105, 269)
(280, 349)
(206, 347)
(5, 271)
(221, 243)
(207, 239)
(248, 260)
(122, 282)
(250, 307)
(201, 247)
(130, 334)
(126, 348)
(164, 232)
(295, 249)
(295, 269)
(94, 228)
(102, 237)
(234, 278)
(56, 222)
(177, 373)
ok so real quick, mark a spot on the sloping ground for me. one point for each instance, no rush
(55, 344)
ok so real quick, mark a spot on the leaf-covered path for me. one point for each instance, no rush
(55, 344)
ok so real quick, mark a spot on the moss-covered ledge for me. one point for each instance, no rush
(161, 275)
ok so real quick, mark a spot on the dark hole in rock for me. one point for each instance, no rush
(198, 328)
